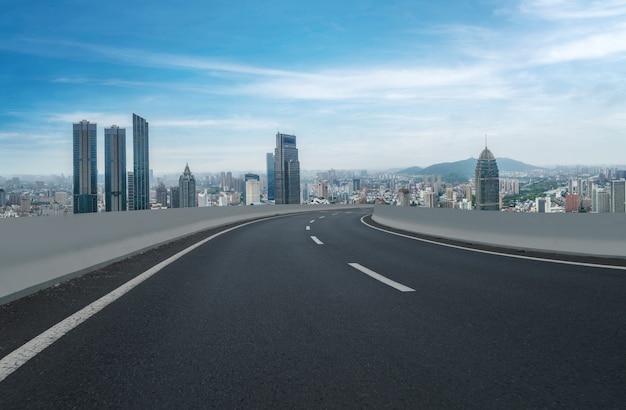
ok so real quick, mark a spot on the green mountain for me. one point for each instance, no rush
(460, 170)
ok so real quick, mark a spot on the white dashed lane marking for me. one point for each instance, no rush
(381, 278)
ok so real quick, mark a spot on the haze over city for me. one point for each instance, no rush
(362, 84)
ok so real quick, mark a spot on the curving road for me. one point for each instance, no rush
(320, 310)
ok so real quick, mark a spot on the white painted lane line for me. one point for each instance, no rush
(322, 217)
(508, 255)
(381, 278)
(21, 355)
(317, 241)
(308, 228)
(311, 221)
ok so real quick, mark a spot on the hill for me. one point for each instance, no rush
(465, 169)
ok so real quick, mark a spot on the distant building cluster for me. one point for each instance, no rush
(578, 189)
(132, 190)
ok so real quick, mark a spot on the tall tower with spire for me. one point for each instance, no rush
(187, 189)
(487, 182)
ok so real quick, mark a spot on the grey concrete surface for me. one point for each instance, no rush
(38, 252)
(602, 235)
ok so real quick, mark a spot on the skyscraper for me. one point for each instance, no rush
(618, 196)
(187, 189)
(131, 191)
(161, 195)
(174, 197)
(487, 182)
(85, 168)
(286, 170)
(115, 169)
(141, 165)
(271, 182)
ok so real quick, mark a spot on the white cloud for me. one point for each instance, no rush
(573, 9)
(596, 46)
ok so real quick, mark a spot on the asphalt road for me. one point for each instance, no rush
(265, 316)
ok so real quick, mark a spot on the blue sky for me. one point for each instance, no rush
(362, 84)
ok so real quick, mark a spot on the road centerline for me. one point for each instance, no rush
(381, 278)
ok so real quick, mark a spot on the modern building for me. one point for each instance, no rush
(618, 196)
(114, 169)
(187, 189)
(141, 163)
(572, 203)
(161, 195)
(131, 191)
(257, 187)
(356, 184)
(174, 197)
(322, 189)
(600, 201)
(286, 170)
(85, 196)
(430, 199)
(204, 199)
(271, 182)
(3, 198)
(253, 191)
(487, 182)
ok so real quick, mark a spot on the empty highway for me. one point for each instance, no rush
(318, 310)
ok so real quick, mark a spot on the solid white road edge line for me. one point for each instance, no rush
(381, 278)
(21, 355)
(508, 255)
(317, 241)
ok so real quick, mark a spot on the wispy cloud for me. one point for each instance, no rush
(596, 46)
(573, 9)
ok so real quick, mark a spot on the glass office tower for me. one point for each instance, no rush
(286, 170)
(85, 196)
(141, 163)
(271, 183)
(114, 169)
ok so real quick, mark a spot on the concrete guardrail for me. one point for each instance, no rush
(39, 252)
(600, 235)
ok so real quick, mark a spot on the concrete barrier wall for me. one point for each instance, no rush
(601, 235)
(38, 252)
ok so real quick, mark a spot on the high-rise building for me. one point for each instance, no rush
(141, 163)
(204, 198)
(131, 191)
(618, 196)
(572, 203)
(487, 182)
(600, 201)
(286, 170)
(161, 194)
(356, 184)
(322, 189)
(115, 169)
(251, 177)
(430, 199)
(187, 189)
(271, 182)
(174, 197)
(3, 198)
(253, 191)
(85, 168)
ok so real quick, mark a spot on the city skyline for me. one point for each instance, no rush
(372, 86)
